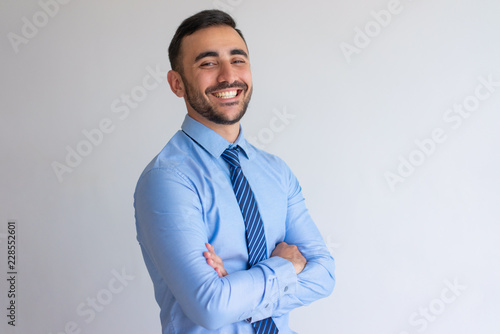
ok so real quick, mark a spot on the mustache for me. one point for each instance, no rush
(226, 85)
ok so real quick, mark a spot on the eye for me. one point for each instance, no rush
(208, 64)
(239, 61)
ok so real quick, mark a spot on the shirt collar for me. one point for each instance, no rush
(210, 140)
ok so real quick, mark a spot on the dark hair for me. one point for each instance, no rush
(201, 20)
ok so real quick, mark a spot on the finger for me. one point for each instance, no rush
(216, 258)
(215, 262)
(210, 261)
(217, 267)
(210, 247)
(212, 254)
(212, 264)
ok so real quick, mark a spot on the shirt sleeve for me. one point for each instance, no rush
(317, 280)
(172, 235)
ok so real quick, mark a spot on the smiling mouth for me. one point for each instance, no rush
(229, 94)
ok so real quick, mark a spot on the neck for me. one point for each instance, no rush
(229, 132)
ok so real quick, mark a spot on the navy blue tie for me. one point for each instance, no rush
(254, 228)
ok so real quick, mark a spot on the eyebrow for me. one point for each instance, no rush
(216, 54)
(206, 54)
(239, 52)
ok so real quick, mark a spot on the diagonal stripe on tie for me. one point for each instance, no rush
(254, 227)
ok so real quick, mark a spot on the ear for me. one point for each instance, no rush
(176, 83)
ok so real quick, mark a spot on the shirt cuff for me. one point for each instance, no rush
(281, 279)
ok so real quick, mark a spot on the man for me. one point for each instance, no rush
(222, 225)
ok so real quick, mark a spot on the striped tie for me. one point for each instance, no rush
(254, 228)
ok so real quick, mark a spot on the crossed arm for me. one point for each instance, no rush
(172, 235)
(283, 250)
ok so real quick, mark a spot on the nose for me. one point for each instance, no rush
(226, 73)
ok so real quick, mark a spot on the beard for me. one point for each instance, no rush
(202, 105)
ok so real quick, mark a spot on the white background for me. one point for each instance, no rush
(356, 117)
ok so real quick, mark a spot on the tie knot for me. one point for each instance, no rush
(230, 155)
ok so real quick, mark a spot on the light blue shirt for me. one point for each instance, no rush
(184, 199)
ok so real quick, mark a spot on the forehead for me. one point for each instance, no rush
(221, 39)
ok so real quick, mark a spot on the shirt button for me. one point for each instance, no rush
(267, 306)
(286, 288)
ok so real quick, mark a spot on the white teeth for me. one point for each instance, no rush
(227, 94)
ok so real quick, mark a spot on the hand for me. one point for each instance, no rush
(292, 254)
(214, 261)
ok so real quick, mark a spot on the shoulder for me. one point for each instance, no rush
(270, 164)
(277, 169)
(172, 160)
(266, 158)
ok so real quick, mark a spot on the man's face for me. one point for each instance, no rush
(216, 74)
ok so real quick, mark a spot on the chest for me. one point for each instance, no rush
(223, 218)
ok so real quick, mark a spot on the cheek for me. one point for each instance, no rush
(205, 81)
(246, 76)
